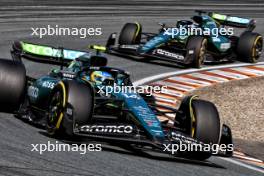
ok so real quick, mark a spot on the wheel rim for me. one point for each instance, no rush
(257, 48)
(55, 110)
(202, 52)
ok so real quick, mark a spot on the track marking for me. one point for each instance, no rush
(174, 93)
(165, 98)
(165, 104)
(209, 77)
(256, 67)
(249, 71)
(187, 71)
(176, 86)
(259, 66)
(229, 74)
(238, 153)
(242, 164)
(187, 81)
(232, 70)
(250, 159)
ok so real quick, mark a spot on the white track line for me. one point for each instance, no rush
(249, 71)
(209, 77)
(242, 164)
(229, 74)
(193, 82)
(168, 74)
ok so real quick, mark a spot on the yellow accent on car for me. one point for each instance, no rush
(97, 47)
(63, 104)
(192, 115)
(138, 28)
(137, 31)
(219, 16)
(59, 121)
(255, 42)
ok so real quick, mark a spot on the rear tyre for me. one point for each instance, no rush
(196, 48)
(12, 85)
(73, 95)
(130, 34)
(204, 124)
(249, 47)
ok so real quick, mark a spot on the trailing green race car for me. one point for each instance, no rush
(73, 101)
(191, 42)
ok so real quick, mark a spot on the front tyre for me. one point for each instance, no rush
(204, 121)
(196, 51)
(249, 47)
(130, 34)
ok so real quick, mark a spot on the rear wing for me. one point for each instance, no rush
(233, 21)
(44, 53)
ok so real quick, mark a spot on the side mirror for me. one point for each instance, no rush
(111, 40)
(162, 24)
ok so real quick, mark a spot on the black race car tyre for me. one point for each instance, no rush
(71, 103)
(196, 48)
(204, 124)
(12, 85)
(130, 34)
(206, 121)
(249, 47)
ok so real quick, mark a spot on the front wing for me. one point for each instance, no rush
(179, 56)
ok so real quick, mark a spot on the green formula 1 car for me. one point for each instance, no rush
(208, 37)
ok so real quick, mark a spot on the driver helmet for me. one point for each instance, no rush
(101, 77)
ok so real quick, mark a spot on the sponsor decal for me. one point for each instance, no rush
(238, 20)
(33, 91)
(68, 75)
(225, 45)
(121, 129)
(169, 54)
(216, 39)
(129, 46)
(133, 96)
(51, 52)
(48, 84)
(230, 18)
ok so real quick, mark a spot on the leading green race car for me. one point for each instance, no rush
(206, 39)
(73, 101)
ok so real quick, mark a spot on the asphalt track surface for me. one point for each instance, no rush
(16, 137)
